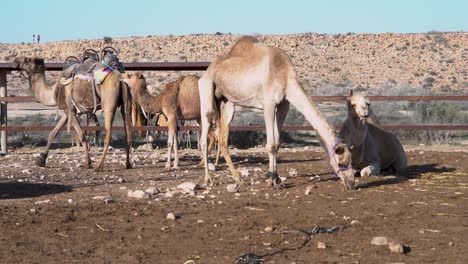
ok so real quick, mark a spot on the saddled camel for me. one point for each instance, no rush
(110, 95)
(373, 148)
(178, 100)
(258, 76)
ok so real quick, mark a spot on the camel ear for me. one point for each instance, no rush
(38, 61)
(126, 75)
(138, 74)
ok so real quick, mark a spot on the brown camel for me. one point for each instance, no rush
(373, 148)
(177, 101)
(111, 94)
(258, 76)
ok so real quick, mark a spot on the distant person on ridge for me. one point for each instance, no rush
(38, 38)
(34, 38)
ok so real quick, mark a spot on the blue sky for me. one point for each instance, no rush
(57, 20)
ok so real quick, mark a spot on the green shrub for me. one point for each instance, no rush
(108, 40)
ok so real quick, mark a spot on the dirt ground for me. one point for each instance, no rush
(66, 214)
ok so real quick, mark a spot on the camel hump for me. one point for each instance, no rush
(244, 45)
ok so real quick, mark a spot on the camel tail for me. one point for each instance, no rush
(296, 95)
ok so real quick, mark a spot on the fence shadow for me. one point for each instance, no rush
(412, 172)
(18, 190)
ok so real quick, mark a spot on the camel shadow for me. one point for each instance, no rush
(18, 190)
(412, 172)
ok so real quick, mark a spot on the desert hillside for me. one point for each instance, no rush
(436, 62)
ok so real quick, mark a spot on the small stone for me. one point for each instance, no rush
(232, 188)
(42, 202)
(171, 216)
(244, 172)
(379, 241)
(267, 244)
(396, 247)
(200, 221)
(268, 229)
(139, 194)
(321, 245)
(152, 191)
(26, 171)
(308, 190)
(42, 177)
(450, 243)
(187, 187)
(355, 222)
(121, 180)
(211, 167)
(168, 194)
(70, 200)
(292, 172)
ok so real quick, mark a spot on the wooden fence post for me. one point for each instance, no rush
(3, 112)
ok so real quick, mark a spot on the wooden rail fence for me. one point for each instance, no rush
(194, 66)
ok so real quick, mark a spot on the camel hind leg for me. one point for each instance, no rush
(171, 140)
(207, 111)
(226, 113)
(81, 139)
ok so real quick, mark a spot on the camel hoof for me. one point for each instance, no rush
(98, 169)
(209, 183)
(128, 166)
(366, 172)
(41, 160)
(239, 181)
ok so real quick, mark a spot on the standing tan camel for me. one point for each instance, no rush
(110, 95)
(179, 100)
(373, 148)
(258, 76)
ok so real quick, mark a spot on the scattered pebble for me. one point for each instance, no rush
(292, 172)
(355, 222)
(379, 241)
(244, 172)
(42, 202)
(321, 245)
(26, 171)
(139, 194)
(308, 189)
(232, 188)
(268, 229)
(188, 187)
(171, 216)
(396, 247)
(70, 200)
(152, 191)
(211, 166)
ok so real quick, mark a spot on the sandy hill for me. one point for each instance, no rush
(430, 62)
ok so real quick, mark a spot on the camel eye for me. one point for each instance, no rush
(353, 105)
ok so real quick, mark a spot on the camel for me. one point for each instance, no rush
(255, 75)
(177, 101)
(373, 148)
(111, 95)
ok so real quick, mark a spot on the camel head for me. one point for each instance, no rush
(358, 105)
(342, 156)
(136, 80)
(30, 65)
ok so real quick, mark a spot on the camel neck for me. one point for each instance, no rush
(44, 93)
(152, 104)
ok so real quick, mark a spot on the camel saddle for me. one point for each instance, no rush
(90, 67)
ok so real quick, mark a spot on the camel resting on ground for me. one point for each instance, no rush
(179, 100)
(373, 148)
(258, 76)
(110, 95)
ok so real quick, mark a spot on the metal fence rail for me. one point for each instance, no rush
(196, 66)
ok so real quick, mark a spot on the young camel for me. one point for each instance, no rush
(177, 101)
(373, 148)
(258, 76)
(110, 95)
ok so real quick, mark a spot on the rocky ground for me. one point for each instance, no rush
(64, 213)
(434, 61)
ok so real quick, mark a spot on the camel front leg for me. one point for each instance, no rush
(82, 140)
(226, 113)
(206, 91)
(176, 152)
(373, 169)
(269, 110)
(41, 160)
